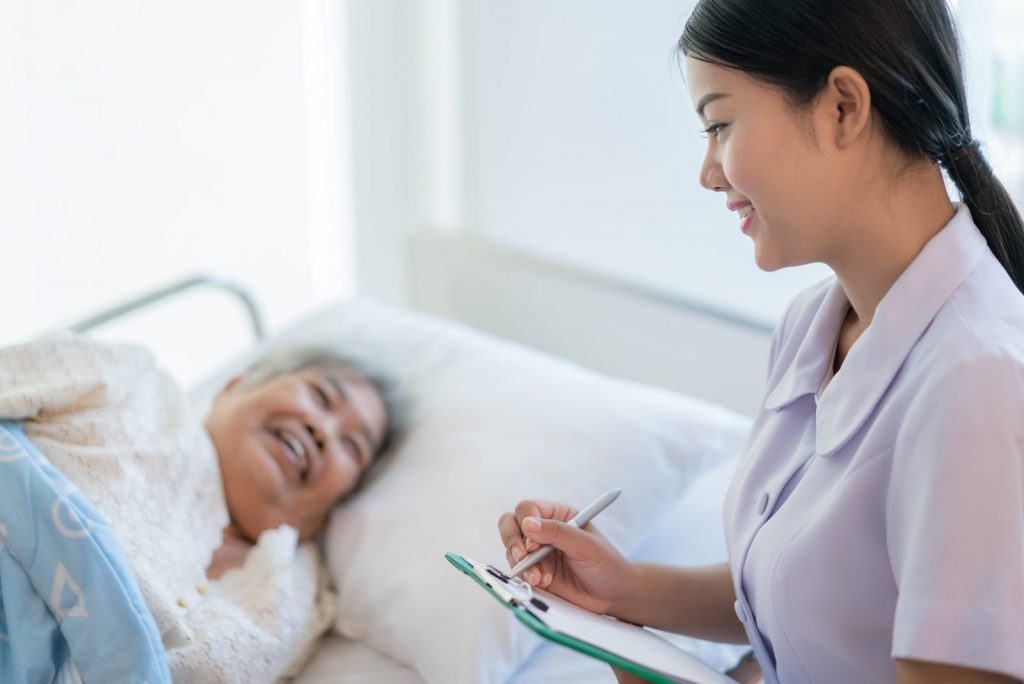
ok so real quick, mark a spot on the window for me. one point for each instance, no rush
(994, 63)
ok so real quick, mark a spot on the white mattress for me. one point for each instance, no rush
(692, 535)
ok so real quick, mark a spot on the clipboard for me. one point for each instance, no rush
(625, 646)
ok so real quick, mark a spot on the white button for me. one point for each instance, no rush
(762, 505)
(740, 612)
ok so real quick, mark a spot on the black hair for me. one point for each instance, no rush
(909, 54)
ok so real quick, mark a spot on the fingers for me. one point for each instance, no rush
(526, 509)
(569, 539)
(545, 510)
(546, 522)
(509, 525)
(542, 574)
(511, 538)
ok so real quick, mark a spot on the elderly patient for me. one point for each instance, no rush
(212, 515)
(293, 435)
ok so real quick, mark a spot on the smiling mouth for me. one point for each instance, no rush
(296, 451)
(746, 211)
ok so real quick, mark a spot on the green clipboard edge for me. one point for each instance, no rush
(540, 628)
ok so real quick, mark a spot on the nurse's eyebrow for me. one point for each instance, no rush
(708, 99)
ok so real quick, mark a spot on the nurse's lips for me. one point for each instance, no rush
(746, 211)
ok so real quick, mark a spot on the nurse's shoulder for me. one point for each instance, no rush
(978, 330)
(961, 389)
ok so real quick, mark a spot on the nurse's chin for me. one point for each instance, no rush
(767, 261)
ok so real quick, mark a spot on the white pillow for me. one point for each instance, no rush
(489, 423)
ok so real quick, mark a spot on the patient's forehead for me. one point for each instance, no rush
(336, 377)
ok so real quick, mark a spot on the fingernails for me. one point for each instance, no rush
(548, 579)
(531, 525)
(533, 576)
(517, 553)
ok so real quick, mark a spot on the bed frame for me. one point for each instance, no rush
(611, 326)
(148, 299)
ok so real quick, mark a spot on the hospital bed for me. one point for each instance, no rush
(425, 350)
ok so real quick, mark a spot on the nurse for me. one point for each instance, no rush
(875, 525)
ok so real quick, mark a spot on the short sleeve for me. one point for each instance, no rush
(955, 519)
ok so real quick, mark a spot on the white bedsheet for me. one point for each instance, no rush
(692, 535)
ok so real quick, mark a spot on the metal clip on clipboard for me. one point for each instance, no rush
(498, 581)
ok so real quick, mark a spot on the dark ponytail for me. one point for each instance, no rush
(991, 207)
(906, 50)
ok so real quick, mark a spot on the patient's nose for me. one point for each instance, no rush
(316, 435)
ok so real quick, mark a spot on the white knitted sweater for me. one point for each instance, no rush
(124, 433)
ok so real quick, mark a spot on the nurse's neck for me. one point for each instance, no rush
(892, 224)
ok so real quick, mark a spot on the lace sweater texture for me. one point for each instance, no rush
(125, 434)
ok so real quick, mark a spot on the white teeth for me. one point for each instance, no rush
(746, 211)
(296, 447)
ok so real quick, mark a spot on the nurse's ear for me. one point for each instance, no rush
(844, 109)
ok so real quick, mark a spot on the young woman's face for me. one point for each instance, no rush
(765, 159)
(290, 447)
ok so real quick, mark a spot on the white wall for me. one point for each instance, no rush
(586, 151)
(145, 141)
(142, 142)
(576, 140)
(407, 132)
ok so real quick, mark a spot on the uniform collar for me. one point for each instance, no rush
(900, 319)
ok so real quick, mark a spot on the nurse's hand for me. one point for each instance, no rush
(584, 569)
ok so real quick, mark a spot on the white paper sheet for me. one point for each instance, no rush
(630, 642)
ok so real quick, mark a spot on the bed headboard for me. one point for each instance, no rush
(610, 326)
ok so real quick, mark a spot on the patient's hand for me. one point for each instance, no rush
(231, 554)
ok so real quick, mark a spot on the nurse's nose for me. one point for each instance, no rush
(711, 175)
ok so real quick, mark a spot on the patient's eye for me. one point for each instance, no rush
(353, 448)
(320, 394)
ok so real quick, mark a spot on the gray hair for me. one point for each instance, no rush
(296, 358)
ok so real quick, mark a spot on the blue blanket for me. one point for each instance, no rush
(70, 610)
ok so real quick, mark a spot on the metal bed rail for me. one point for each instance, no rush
(130, 306)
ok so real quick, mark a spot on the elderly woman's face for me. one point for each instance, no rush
(291, 446)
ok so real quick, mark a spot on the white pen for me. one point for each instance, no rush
(579, 520)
